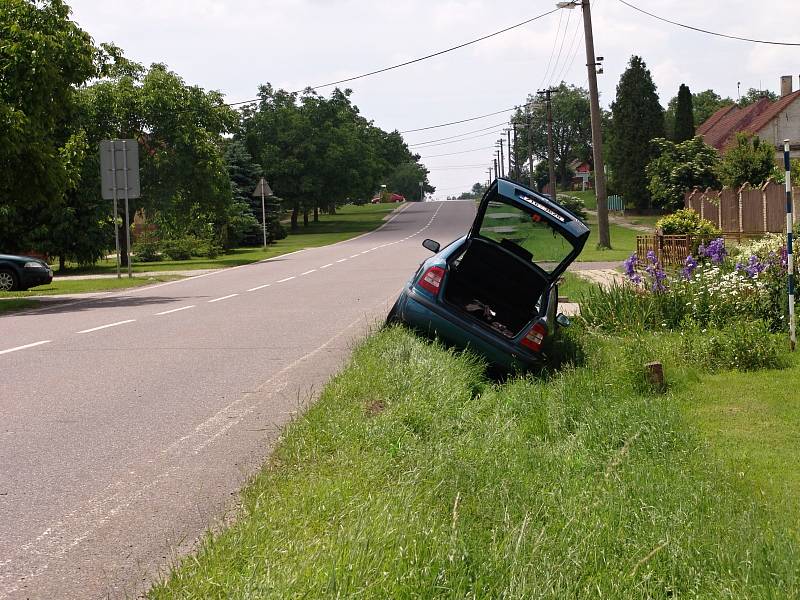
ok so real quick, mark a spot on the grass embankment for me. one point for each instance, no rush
(7, 306)
(349, 221)
(81, 286)
(414, 476)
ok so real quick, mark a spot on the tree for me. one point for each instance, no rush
(754, 95)
(704, 104)
(405, 179)
(679, 168)
(43, 55)
(684, 115)
(245, 210)
(572, 128)
(637, 118)
(749, 161)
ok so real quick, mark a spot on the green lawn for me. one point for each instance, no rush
(414, 476)
(349, 221)
(13, 305)
(752, 422)
(588, 197)
(78, 286)
(623, 243)
(573, 286)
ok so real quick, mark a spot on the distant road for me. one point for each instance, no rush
(130, 421)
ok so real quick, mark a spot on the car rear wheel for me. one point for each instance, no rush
(8, 280)
(394, 316)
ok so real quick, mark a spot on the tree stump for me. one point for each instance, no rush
(654, 372)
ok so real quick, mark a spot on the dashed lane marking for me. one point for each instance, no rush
(25, 346)
(222, 298)
(326, 266)
(259, 287)
(174, 310)
(308, 272)
(107, 326)
(285, 279)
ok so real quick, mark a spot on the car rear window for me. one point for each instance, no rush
(525, 234)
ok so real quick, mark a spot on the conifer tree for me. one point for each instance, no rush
(684, 117)
(637, 119)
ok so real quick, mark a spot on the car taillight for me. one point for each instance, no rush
(535, 337)
(432, 280)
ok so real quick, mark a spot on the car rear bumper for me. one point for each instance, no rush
(425, 315)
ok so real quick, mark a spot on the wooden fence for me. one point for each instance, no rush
(673, 249)
(747, 210)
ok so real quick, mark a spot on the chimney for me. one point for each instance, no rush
(786, 85)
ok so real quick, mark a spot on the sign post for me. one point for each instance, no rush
(789, 252)
(263, 190)
(119, 171)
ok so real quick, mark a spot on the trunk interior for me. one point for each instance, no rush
(496, 284)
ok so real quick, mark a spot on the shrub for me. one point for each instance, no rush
(573, 204)
(686, 221)
(182, 248)
(147, 247)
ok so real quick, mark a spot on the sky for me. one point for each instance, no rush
(235, 45)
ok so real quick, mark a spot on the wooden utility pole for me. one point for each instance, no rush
(516, 158)
(530, 153)
(502, 160)
(551, 165)
(604, 237)
(508, 136)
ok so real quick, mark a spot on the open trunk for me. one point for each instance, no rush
(497, 285)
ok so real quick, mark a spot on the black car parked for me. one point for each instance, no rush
(23, 272)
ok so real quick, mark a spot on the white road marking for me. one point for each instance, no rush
(326, 266)
(174, 310)
(285, 279)
(341, 260)
(307, 272)
(223, 298)
(25, 346)
(354, 256)
(107, 326)
(259, 287)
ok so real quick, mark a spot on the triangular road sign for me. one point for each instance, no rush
(262, 185)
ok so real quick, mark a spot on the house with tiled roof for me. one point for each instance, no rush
(771, 121)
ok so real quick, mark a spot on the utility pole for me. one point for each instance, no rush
(597, 139)
(516, 158)
(510, 172)
(495, 167)
(550, 157)
(502, 160)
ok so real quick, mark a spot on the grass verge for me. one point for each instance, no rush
(81, 286)
(14, 305)
(623, 243)
(349, 221)
(414, 476)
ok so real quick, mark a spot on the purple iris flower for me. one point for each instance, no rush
(630, 264)
(689, 266)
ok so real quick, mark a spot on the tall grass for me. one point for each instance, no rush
(415, 477)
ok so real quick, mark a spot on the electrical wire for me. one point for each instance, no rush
(472, 137)
(461, 121)
(572, 52)
(552, 51)
(560, 50)
(459, 135)
(415, 60)
(707, 31)
(453, 153)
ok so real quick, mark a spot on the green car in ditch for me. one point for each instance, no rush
(495, 290)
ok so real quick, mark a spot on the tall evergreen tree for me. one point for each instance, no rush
(684, 116)
(637, 118)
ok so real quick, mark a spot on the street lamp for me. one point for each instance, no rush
(597, 138)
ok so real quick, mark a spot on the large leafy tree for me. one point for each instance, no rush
(43, 55)
(572, 128)
(404, 180)
(637, 118)
(678, 168)
(754, 95)
(684, 115)
(748, 161)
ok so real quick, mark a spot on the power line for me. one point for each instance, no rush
(560, 49)
(461, 152)
(552, 50)
(461, 121)
(725, 35)
(459, 135)
(573, 50)
(472, 137)
(415, 60)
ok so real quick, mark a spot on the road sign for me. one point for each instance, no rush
(262, 189)
(115, 155)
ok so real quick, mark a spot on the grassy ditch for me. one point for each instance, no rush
(15, 304)
(415, 476)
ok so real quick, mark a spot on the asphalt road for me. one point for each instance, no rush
(130, 421)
